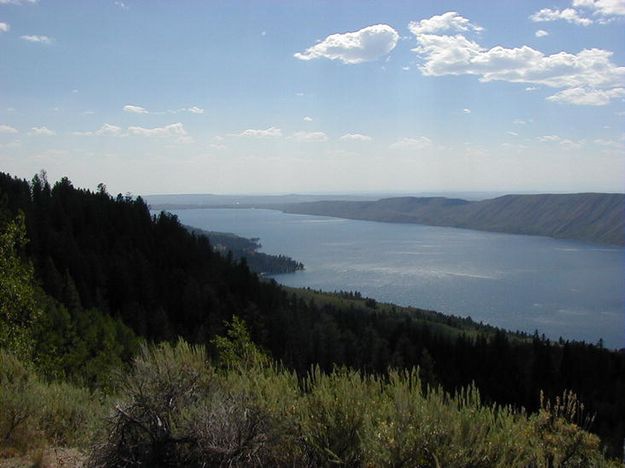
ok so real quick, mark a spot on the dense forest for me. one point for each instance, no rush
(239, 247)
(590, 217)
(110, 275)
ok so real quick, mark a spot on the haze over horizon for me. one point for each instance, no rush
(315, 97)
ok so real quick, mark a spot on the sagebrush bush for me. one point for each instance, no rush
(35, 413)
(178, 409)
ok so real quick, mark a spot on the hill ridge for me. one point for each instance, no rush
(590, 217)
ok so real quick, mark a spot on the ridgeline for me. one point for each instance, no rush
(589, 217)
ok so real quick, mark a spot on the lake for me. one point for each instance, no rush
(560, 288)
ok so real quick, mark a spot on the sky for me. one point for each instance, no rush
(247, 97)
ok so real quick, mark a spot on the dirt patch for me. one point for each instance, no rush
(53, 457)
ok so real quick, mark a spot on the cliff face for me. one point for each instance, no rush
(591, 217)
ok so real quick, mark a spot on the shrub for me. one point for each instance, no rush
(18, 404)
(147, 427)
(335, 416)
(34, 413)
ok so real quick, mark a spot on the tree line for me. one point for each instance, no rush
(110, 275)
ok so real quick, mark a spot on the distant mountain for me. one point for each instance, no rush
(591, 217)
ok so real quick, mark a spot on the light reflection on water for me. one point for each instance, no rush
(562, 288)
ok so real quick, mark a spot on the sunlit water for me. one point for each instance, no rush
(561, 288)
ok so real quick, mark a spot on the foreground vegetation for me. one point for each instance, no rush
(87, 279)
(176, 407)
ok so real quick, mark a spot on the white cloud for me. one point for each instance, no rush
(611, 144)
(541, 33)
(37, 39)
(365, 45)
(308, 119)
(590, 69)
(355, 137)
(512, 133)
(450, 21)
(122, 5)
(195, 110)
(43, 131)
(271, 132)
(104, 130)
(417, 143)
(135, 109)
(17, 2)
(569, 15)
(173, 130)
(564, 142)
(531, 88)
(309, 137)
(587, 97)
(602, 7)
(4, 27)
(7, 129)
(466, 111)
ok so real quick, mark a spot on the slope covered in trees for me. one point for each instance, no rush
(592, 217)
(239, 247)
(107, 257)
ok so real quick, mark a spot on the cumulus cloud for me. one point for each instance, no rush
(7, 129)
(4, 27)
(602, 7)
(17, 2)
(541, 33)
(570, 15)
(309, 137)
(37, 39)
(104, 130)
(271, 132)
(466, 110)
(195, 110)
(450, 21)
(587, 97)
(176, 130)
(591, 69)
(355, 137)
(43, 131)
(611, 144)
(135, 109)
(564, 142)
(308, 119)
(417, 143)
(365, 45)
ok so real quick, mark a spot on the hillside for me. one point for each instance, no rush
(99, 272)
(590, 217)
(239, 247)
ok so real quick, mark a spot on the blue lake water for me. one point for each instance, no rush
(561, 288)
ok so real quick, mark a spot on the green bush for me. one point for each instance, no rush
(34, 413)
(179, 409)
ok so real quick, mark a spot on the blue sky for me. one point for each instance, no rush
(318, 96)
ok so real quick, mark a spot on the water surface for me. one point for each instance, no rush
(560, 288)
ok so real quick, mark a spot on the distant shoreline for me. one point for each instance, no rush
(589, 217)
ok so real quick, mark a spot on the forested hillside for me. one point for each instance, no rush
(592, 217)
(106, 267)
(239, 247)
